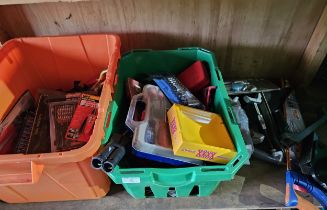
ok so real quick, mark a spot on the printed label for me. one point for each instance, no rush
(173, 126)
(88, 103)
(205, 154)
(188, 150)
(131, 180)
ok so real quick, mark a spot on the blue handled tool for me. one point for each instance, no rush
(294, 178)
(176, 92)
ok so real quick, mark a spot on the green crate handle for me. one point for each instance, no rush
(168, 180)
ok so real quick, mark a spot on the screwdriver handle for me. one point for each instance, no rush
(290, 195)
(302, 181)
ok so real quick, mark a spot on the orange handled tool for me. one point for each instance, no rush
(293, 199)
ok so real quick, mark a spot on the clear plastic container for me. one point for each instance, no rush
(151, 135)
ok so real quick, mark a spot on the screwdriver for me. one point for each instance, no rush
(293, 178)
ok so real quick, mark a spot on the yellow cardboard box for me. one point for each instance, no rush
(199, 134)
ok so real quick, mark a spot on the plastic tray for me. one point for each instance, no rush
(154, 147)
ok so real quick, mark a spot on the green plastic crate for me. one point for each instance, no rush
(176, 182)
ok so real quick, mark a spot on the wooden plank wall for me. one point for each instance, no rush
(3, 36)
(314, 53)
(251, 38)
(10, 2)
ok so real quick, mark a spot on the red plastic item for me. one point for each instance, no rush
(81, 126)
(143, 116)
(208, 96)
(195, 77)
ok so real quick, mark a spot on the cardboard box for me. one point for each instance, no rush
(199, 134)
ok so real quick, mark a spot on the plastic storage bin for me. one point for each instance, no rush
(179, 182)
(54, 63)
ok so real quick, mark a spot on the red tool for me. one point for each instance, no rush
(208, 95)
(81, 126)
(195, 77)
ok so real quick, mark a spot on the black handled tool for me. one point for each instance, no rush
(111, 154)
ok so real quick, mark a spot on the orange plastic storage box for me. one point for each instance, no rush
(54, 63)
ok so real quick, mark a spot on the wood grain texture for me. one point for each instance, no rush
(314, 53)
(10, 2)
(13, 21)
(252, 38)
(3, 36)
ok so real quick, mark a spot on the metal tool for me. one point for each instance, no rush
(313, 156)
(313, 160)
(295, 138)
(250, 86)
(24, 136)
(271, 123)
(255, 102)
(176, 92)
(257, 137)
(275, 156)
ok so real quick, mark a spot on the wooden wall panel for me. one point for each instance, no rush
(10, 2)
(252, 38)
(314, 53)
(3, 36)
(14, 22)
